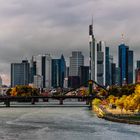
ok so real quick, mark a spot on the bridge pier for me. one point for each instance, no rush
(61, 101)
(32, 101)
(7, 103)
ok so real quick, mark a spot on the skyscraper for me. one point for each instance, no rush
(123, 63)
(20, 73)
(84, 74)
(92, 55)
(76, 60)
(58, 72)
(137, 72)
(130, 67)
(100, 63)
(43, 68)
(107, 67)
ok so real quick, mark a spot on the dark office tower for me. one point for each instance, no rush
(84, 75)
(123, 63)
(107, 70)
(138, 63)
(130, 67)
(58, 72)
(32, 70)
(20, 73)
(113, 71)
(117, 76)
(137, 72)
(63, 71)
(55, 73)
(73, 81)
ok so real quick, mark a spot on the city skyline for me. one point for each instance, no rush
(31, 28)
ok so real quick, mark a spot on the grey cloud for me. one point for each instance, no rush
(60, 26)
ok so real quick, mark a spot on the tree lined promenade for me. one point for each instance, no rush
(121, 105)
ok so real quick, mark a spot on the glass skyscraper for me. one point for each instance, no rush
(20, 73)
(130, 67)
(125, 64)
(58, 72)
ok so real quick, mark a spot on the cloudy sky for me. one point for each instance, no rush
(31, 27)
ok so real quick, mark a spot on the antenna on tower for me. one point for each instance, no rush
(122, 38)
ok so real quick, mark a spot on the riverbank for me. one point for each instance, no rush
(116, 116)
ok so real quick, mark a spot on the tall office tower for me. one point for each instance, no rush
(66, 78)
(138, 63)
(117, 76)
(113, 71)
(20, 73)
(137, 72)
(43, 68)
(123, 63)
(107, 67)
(101, 61)
(92, 55)
(110, 69)
(84, 75)
(130, 67)
(58, 72)
(76, 60)
(32, 70)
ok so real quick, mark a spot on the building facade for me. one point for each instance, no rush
(76, 60)
(123, 63)
(130, 67)
(20, 73)
(84, 75)
(58, 72)
(43, 68)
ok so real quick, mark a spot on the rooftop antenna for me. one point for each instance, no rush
(122, 38)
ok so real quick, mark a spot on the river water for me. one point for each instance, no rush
(61, 123)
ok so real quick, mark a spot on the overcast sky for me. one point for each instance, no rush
(31, 27)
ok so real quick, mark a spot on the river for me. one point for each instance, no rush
(61, 123)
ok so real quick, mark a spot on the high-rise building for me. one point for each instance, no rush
(130, 67)
(117, 76)
(58, 72)
(123, 63)
(32, 70)
(92, 55)
(84, 75)
(38, 81)
(107, 67)
(138, 63)
(113, 75)
(20, 73)
(76, 60)
(43, 68)
(137, 72)
(101, 71)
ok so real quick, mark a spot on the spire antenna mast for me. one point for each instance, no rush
(122, 38)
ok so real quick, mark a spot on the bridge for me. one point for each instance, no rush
(33, 99)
